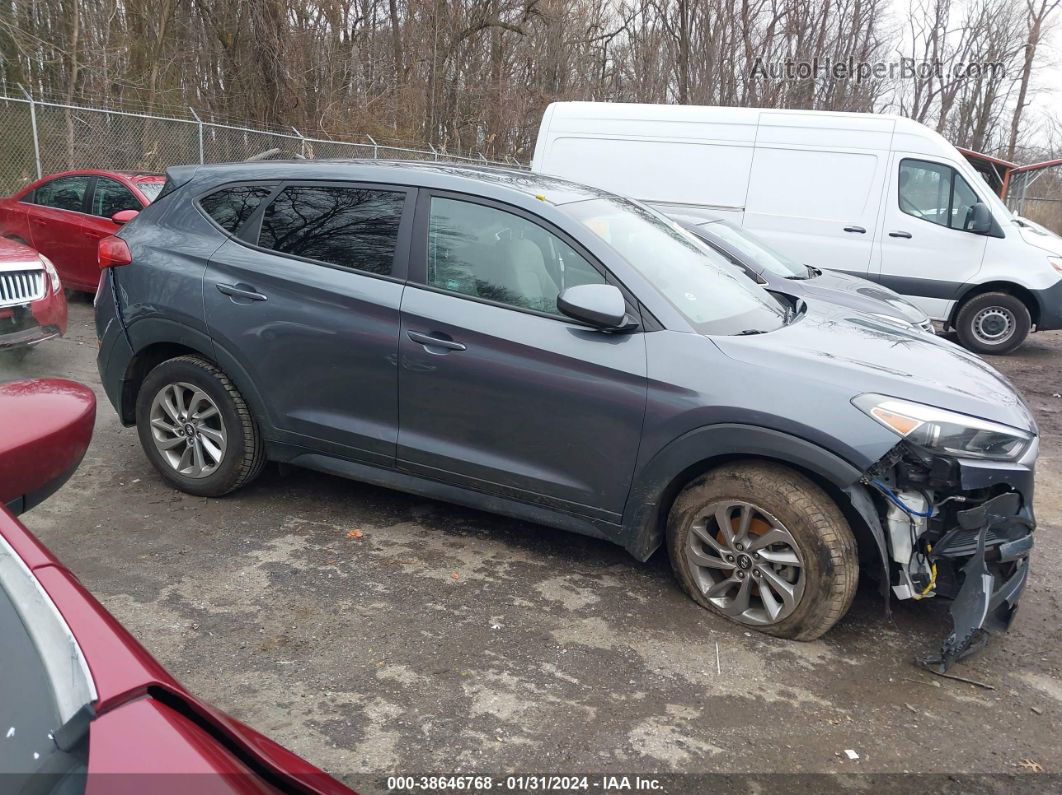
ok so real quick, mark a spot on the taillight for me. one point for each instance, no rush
(113, 251)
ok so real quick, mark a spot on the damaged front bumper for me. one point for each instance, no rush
(961, 529)
(990, 547)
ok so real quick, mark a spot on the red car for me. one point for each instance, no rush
(83, 707)
(32, 304)
(64, 216)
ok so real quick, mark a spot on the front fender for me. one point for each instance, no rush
(657, 482)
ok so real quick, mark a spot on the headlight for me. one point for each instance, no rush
(945, 431)
(53, 274)
(1056, 263)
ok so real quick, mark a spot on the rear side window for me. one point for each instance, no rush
(230, 207)
(111, 197)
(350, 227)
(65, 193)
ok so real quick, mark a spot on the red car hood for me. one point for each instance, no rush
(124, 672)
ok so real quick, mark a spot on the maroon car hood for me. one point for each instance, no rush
(124, 672)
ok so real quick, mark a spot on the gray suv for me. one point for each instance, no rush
(549, 351)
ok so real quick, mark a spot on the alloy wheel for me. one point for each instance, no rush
(187, 430)
(745, 562)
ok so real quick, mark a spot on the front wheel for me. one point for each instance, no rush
(196, 428)
(762, 545)
(993, 323)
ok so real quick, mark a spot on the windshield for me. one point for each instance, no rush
(151, 188)
(713, 295)
(756, 251)
(29, 712)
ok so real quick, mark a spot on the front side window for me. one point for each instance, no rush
(230, 207)
(713, 295)
(350, 227)
(111, 197)
(936, 193)
(65, 193)
(498, 256)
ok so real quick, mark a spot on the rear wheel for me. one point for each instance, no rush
(993, 323)
(196, 428)
(763, 546)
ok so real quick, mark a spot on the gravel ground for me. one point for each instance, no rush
(438, 639)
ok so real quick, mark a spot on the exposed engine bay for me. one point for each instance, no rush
(964, 535)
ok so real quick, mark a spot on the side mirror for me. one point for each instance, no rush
(124, 216)
(47, 428)
(980, 219)
(600, 305)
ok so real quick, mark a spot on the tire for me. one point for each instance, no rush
(231, 453)
(778, 498)
(993, 323)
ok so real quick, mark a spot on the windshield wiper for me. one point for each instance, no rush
(750, 331)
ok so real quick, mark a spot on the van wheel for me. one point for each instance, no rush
(196, 428)
(993, 323)
(763, 546)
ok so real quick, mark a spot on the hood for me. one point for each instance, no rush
(862, 295)
(860, 353)
(1048, 241)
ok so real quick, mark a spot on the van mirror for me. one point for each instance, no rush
(600, 305)
(980, 219)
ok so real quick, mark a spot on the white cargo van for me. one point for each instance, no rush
(877, 196)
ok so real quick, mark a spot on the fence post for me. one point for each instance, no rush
(302, 142)
(433, 151)
(33, 127)
(199, 122)
(375, 147)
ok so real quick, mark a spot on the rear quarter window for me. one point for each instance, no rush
(230, 207)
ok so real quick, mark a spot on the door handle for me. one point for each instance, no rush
(241, 291)
(857, 229)
(429, 341)
(900, 233)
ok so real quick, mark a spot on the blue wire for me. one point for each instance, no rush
(895, 500)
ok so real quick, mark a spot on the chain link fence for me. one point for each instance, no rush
(42, 137)
(1037, 195)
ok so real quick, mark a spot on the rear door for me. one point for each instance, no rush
(57, 222)
(306, 298)
(498, 391)
(926, 253)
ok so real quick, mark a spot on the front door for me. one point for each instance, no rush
(497, 390)
(307, 299)
(926, 253)
(57, 221)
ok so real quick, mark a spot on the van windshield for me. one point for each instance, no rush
(713, 295)
(757, 252)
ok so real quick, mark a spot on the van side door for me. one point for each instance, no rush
(820, 207)
(926, 252)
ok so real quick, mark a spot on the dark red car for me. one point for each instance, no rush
(64, 216)
(83, 707)
(32, 304)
